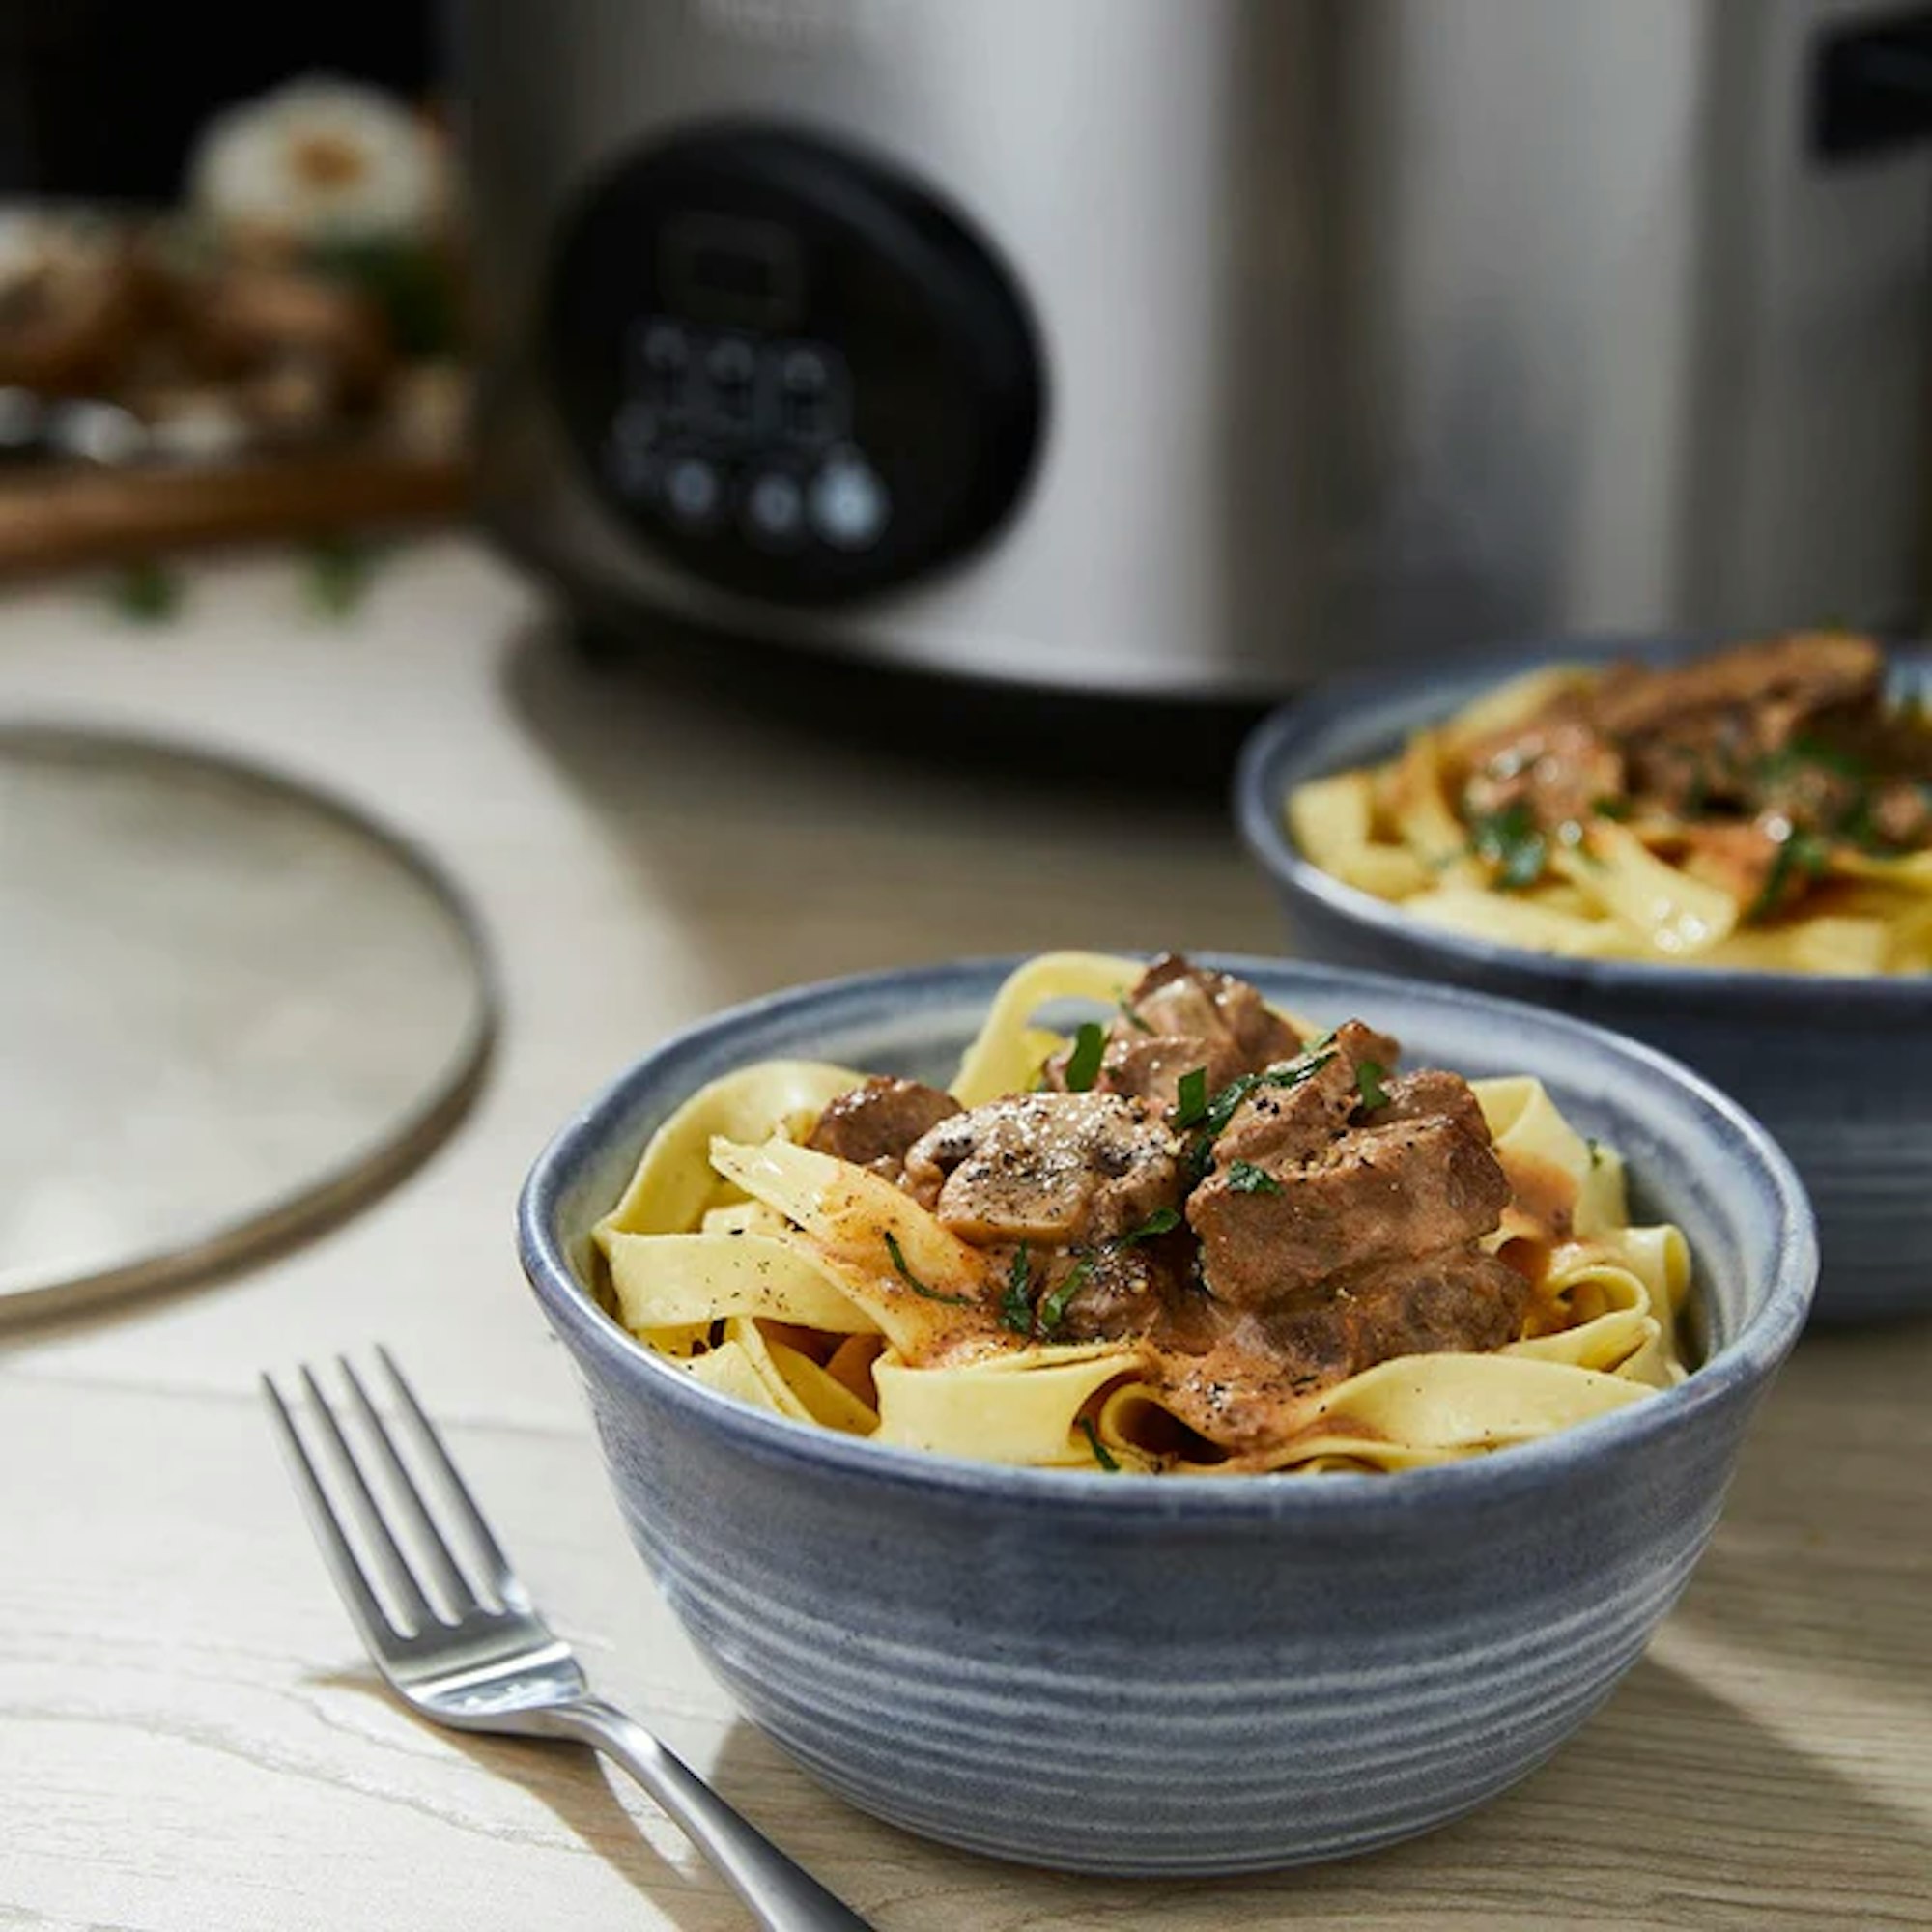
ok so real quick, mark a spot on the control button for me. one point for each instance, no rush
(731, 365)
(731, 375)
(691, 492)
(631, 459)
(848, 502)
(804, 373)
(805, 391)
(666, 359)
(774, 509)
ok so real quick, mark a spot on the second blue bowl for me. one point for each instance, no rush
(1839, 1068)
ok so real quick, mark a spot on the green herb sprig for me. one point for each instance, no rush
(1245, 1177)
(146, 591)
(1016, 1301)
(913, 1282)
(1190, 1099)
(1215, 1114)
(1511, 842)
(1369, 1077)
(1053, 1310)
(1101, 1454)
(1799, 855)
(1083, 1064)
(1162, 1221)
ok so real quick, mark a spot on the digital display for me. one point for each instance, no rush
(722, 268)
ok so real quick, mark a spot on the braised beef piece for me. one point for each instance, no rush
(1125, 1289)
(1176, 1019)
(1285, 1121)
(1433, 1093)
(1901, 812)
(1766, 690)
(1794, 726)
(1452, 1300)
(1558, 764)
(1057, 1167)
(876, 1123)
(1460, 1301)
(1283, 1231)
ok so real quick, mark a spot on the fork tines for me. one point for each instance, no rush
(394, 1595)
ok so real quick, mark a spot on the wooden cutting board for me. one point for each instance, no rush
(57, 516)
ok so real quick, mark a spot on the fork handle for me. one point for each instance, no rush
(782, 1896)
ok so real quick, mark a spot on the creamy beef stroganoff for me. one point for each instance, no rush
(1193, 1235)
(1766, 807)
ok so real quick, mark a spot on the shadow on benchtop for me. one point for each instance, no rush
(792, 851)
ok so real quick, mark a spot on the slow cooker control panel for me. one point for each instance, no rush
(789, 367)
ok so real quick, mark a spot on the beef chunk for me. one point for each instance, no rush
(1433, 1093)
(1455, 1299)
(1053, 1168)
(1376, 1193)
(1178, 1018)
(1777, 684)
(1559, 763)
(1125, 1289)
(1293, 1124)
(1901, 812)
(876, 1123)
(1242, 1387)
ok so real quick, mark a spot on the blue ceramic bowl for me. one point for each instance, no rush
(1146, 1674)
(1838, 1067)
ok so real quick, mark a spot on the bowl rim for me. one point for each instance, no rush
(1745, 1363)
(1284, 748)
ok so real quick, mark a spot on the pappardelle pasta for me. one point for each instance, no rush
(1765, 808)
(1192, 1235)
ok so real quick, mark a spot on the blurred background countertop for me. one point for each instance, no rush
(188, 1734)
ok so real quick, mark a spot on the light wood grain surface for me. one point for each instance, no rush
(189, 1739)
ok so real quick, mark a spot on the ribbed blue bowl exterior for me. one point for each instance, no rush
(1137, 1675)
(1195, 1698)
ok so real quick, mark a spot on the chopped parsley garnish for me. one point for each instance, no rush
(1214, 1116)
(1802, 855)
(913, 1282)
(1245, 1177)
(1511, 842)
(1610, 806)
(1368, 1084)
(1127, 1014)
(1816, 751)
(1291, 1074)
(1162, 1221)
(1083, 1064)
(1053, 1310)
(1190, 1099)
(1101, 1455)
(1016, 1303)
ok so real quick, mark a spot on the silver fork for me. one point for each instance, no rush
(484, 1665)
